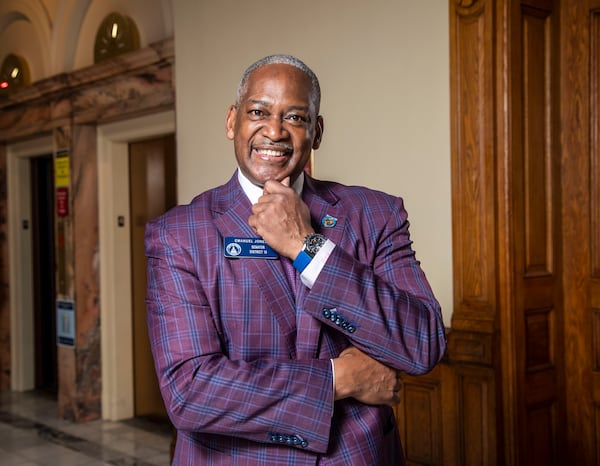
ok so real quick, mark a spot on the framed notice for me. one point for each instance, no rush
(65, 323)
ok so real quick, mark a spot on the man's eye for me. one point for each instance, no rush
(256, 113)
(296, 118)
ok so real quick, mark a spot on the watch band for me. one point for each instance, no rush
(301, 261)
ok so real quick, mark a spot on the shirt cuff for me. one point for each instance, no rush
(313, 269)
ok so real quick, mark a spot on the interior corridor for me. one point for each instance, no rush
(31, 435)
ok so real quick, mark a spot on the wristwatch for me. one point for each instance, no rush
(312, 244)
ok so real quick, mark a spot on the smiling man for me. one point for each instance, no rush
(281, 309)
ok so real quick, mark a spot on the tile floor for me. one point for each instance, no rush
(32, 435)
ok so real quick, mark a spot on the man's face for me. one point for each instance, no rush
(275, 125)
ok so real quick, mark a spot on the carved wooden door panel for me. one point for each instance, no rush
(533, 187)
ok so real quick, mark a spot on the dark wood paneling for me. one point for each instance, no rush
(534, 190)
(469, 374)
(539, 340)
(471, 347)
(537, 168)
(595, 142)
(473, 171)
(579, 107)
(421, 402)
(541, 440)
(448, 417)
(594, 195)
(476, 419)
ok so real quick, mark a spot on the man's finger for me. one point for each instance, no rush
(272, 185)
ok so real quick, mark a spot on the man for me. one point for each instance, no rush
(282, 309)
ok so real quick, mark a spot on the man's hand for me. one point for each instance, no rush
(361, 377)
(281, 218)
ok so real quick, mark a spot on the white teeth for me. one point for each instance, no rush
(272, 153)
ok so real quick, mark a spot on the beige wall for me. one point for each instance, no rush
(384, 72)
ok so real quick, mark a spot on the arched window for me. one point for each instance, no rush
(14, 74)
(117, 34)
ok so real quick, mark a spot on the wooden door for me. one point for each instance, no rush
(152, 192)
(533, 169)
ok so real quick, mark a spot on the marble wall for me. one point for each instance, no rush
(70, 106)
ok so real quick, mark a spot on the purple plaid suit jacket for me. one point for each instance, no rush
(244, 366)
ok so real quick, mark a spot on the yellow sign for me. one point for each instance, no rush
(62, 174)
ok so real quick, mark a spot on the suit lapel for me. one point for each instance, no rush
(323, 206)
(231, 212)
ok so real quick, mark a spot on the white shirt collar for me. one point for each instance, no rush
(254, 192)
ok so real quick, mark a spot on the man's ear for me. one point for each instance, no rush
(318, 133)
(230, 122)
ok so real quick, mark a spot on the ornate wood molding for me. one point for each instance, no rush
(473, 166)
(469, 7)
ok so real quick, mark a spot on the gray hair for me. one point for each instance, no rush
(281, 59)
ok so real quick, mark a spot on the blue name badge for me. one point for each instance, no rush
(248, 248)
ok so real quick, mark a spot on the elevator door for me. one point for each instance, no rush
(44, 284)
(152, 192)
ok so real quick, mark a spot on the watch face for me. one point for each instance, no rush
(313, 243)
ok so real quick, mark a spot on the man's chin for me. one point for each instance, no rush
(260, 181)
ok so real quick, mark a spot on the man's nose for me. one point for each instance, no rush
(275, 128)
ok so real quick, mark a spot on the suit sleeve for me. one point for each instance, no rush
(373, 290)
(269, 400)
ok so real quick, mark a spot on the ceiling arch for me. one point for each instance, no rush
(57, 36)
(26, 29)
(66, 33)
(9, 18)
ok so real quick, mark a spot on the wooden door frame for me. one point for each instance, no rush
(115, 252)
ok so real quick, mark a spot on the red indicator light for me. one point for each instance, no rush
(3, 84)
